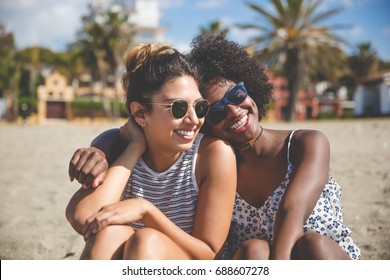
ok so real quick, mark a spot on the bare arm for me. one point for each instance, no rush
(86, 202)
(89, 165)
(310, 154)
(216, 176)
(217, 189)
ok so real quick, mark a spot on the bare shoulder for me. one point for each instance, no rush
(305, 137)
(216, 165)
(213, 154)
(211, 146)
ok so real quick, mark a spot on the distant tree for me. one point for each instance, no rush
(292, 40)
(364, 60)
(102, 41)
(214, 27)
(383, 65)
(7, 61)
(104, 37)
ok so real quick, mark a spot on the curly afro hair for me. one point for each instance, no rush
(219, 59)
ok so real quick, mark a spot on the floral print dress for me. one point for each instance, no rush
(249, 222)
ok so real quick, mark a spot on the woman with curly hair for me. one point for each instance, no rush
(287, 204)
(164, 197)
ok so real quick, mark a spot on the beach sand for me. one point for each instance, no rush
(35, 187)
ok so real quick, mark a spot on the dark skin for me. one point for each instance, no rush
(89, 166)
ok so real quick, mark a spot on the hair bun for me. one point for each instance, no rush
(138, 56)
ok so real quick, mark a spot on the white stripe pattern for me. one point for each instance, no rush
(174, 191)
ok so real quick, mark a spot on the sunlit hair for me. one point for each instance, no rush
(219, 59)
(149, 67)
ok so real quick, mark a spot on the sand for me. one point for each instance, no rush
(35, 187)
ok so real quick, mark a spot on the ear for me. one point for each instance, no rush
(139, 113)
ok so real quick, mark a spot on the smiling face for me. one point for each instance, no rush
(240, 123)
(164, 131)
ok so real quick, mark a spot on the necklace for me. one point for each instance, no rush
(251, 144)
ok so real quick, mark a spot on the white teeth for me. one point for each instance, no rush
(186, 133)
(240, 123)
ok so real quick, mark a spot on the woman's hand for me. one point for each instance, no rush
(132, 132)
(88, 166)
(119, 213)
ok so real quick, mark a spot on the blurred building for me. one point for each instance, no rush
(144, 14)
(372, 96)
(54, 97)
(317, 102)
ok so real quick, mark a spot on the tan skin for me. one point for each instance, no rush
(261, 169)
(100, 216)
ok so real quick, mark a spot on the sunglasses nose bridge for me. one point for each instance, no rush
(231, 110)
(191, 114)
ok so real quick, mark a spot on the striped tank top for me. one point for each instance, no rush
(174, 192)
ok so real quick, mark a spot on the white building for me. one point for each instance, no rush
(144, 14)
(372, 96)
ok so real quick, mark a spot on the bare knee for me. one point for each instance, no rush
(314, 246)
(253, 249)
(144, 244)
(107, 244)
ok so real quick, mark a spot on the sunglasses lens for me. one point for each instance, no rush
(237, 95)
(179, 109)
(201, 108)
(216, 113)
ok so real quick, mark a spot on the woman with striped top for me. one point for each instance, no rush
(170, 194)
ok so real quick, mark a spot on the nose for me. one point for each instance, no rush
(232, 111)
(191, 116)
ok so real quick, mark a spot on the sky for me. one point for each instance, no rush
(53, 23)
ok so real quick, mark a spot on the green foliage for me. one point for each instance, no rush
(30, 101)
(101, 43)
(87, 104)
(214, 27)
(326, 115)
(123, 112)
(7, 62)
(364, 60)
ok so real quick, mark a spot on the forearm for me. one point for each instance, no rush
(288, 229)
(87, 202)
(110, 143)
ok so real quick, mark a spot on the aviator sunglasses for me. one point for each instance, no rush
(235, 96)
(179, 107)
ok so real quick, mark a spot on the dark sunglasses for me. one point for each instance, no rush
(179, 107)
(235, 96)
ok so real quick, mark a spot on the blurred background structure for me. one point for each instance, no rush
(316, 71)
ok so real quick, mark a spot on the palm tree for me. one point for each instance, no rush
(364, 60)
(292, 40)
(213, 27)
(104, 38)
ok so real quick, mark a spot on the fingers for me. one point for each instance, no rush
(94, 172)
(99, 179)
(86, 164)
(75, 158)
(98, 222)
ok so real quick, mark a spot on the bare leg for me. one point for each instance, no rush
(107, 244)
(314, 246)
(253, 249)
(150, 244)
